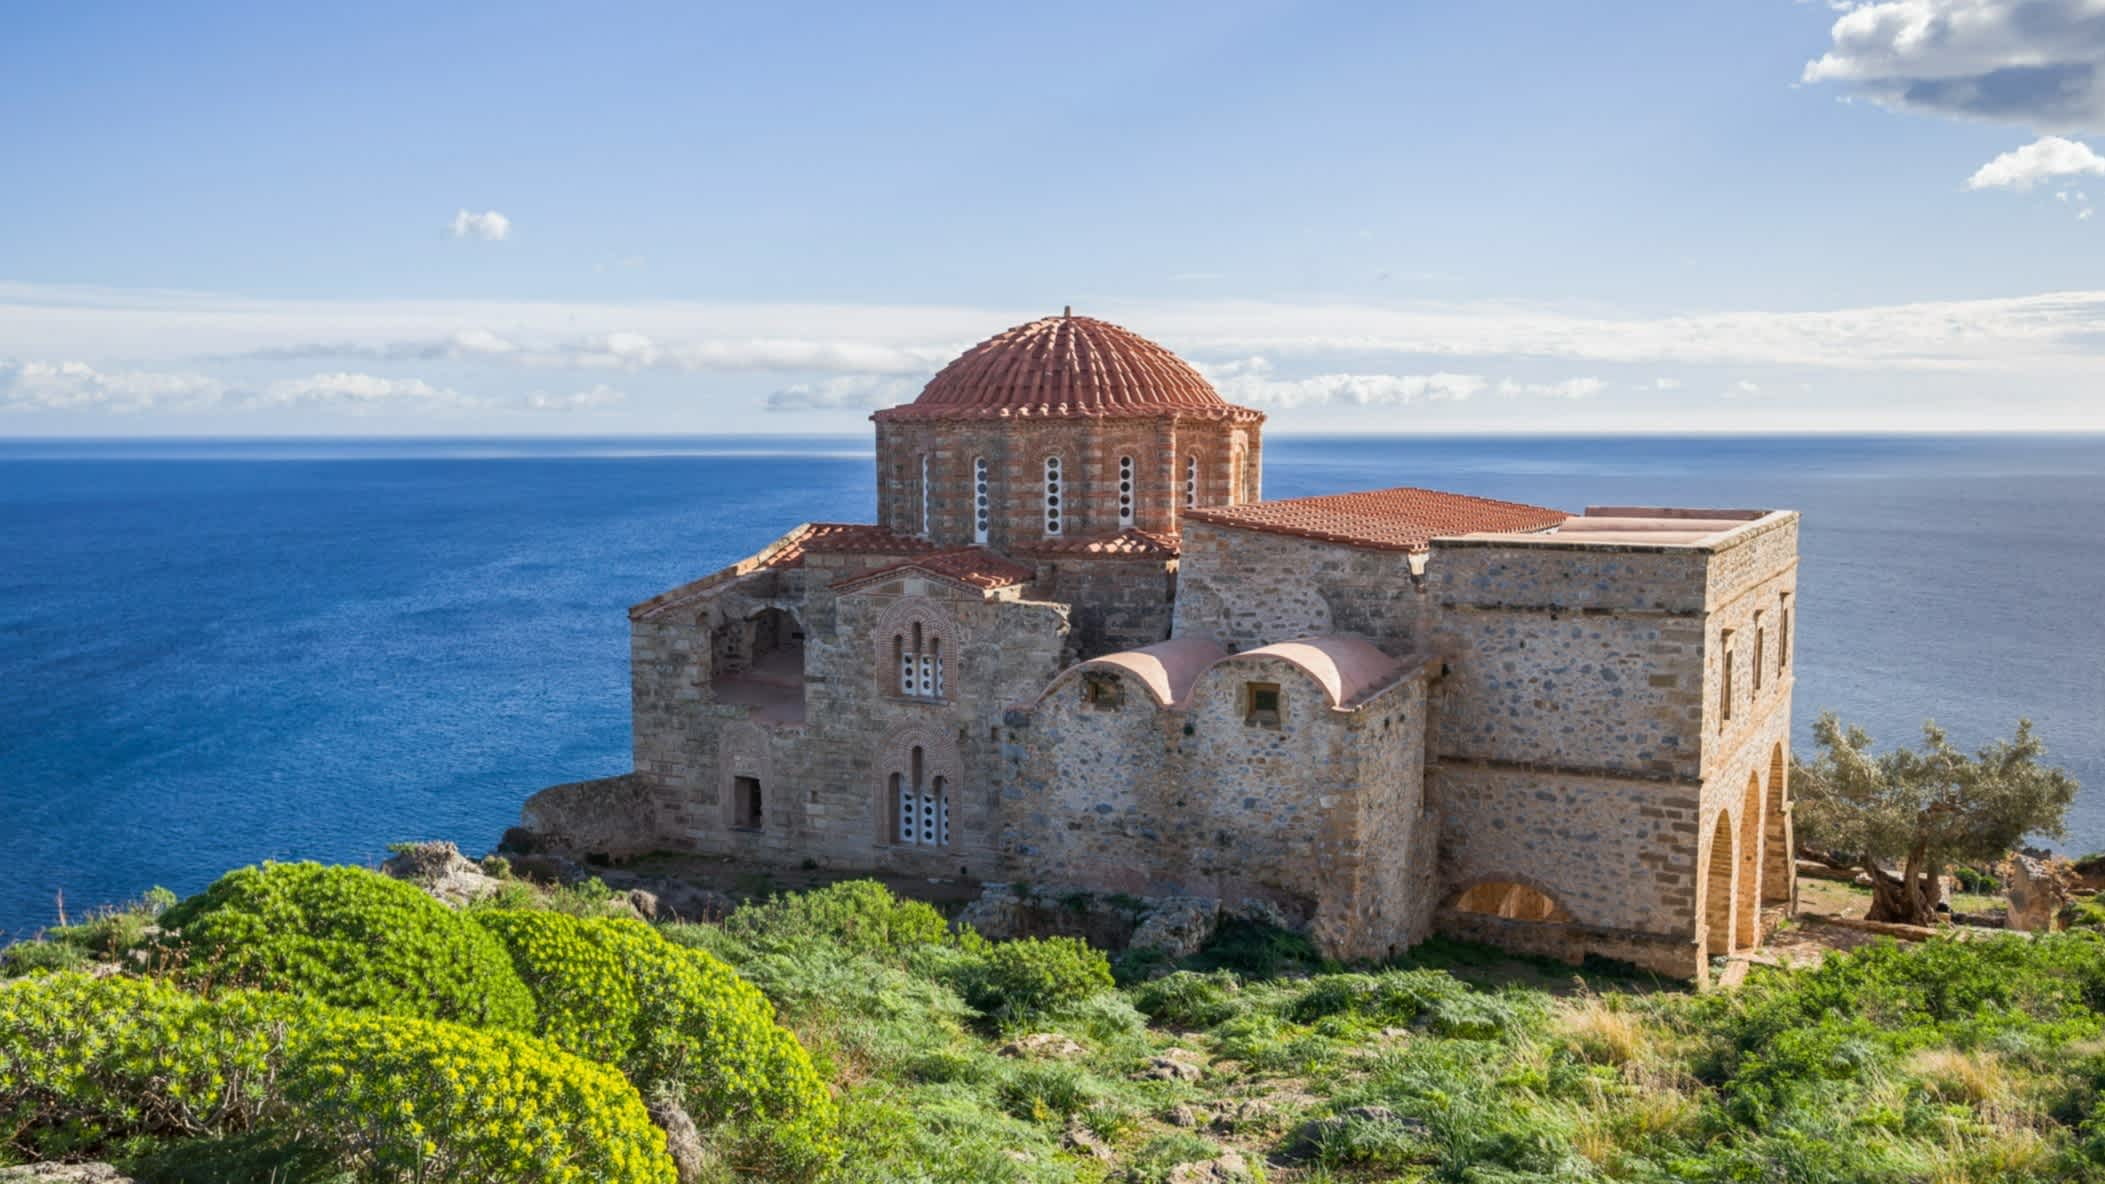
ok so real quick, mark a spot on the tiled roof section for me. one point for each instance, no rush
(1402, 519)
(974, 567)
(1067, 367)
(847, 537)
(1131, 543)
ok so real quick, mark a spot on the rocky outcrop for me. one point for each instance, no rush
(440, 869)
(609, 816)
(691, 1160)
(2038, 888)
(1177, 926)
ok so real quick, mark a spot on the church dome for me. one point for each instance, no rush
(1067, 367)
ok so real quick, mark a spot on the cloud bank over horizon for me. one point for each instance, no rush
(89, 361)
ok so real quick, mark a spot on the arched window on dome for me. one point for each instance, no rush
(924, 494)
(1191, 482)
(1053, 510)
(979, 499)
(920, 804)
(1125, 491)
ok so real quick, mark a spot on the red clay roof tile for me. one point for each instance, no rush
(1402, 519)
(1067, 367)
(973, 566)
(1131, 543)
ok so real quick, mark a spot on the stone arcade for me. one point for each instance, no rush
(1078, 649)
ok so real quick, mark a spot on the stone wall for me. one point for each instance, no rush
(1320, 816)
(1246, 588)
(1113, 603)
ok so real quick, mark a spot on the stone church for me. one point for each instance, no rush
(1079, 649)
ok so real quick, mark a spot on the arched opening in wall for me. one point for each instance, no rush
(1054, 484)
(1191, 482)
(1512, 902)
(766, 669)
(1746, 920)
(926, 505)
(1126, 495)
(980, 501)
(1717, 888)
(1778, 872)
(920, 802)
(917, 659)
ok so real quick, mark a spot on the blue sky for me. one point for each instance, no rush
(532, 218)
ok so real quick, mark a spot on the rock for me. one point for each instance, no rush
(1189, 1117)
(683, 1142)
(1082, 1139)
(2039, 888)
(609, 816)
(1177, 926)
(440, 869)
(1861, 879)
(1314, 1133)
(1172, 1068)
(1048, 1045)
(1252, 908)
(1231, 1168)
(64, 1173)
(997, 914)
(669, 899)
(2090, 873)
(1236, 1115)
(518, 840)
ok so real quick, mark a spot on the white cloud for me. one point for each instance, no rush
(489, 226)
(1666, 384)
(2036, 63)
(53, 386)
(2044, 159)
(600, 395)
(1570, 388)
(357, 391)
(848, 392)
(1742, 389)
(1251, 381)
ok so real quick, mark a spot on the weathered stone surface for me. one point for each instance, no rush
(1177, 926)
(64, 1173)
(1043, 1045)
(2038, 888)
(1231, 1168)
(1175, 1065)
(1084, 1140)
(691, 1157)
(440, 869)
(613, 816)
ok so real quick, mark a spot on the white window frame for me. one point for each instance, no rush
(1055, 510)
(1126, 497)
(980, 502)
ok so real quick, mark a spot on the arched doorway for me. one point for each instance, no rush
(1512, 902)
(1746, 928)
(1717, 888)
(1779, 872)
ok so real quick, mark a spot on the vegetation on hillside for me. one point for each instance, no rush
(922, 1053)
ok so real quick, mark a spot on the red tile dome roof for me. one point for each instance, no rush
(1067, 367)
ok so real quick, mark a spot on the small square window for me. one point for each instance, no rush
(1261, 703)
(1105, 692)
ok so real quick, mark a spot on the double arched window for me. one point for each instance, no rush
(920, 804)
(917, 654)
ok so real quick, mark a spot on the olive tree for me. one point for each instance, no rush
(1920, 810)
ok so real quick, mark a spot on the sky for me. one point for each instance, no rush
(612, 219)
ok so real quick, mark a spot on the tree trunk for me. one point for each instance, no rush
(1909, 898)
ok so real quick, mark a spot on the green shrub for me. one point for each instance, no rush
(1256, 949)
(1390, 998)
(40, 957)
(1033, 976)
(673, 1019)
(1190, 1000)
(860, 915)
(88, 1063)
(408, 1099)
(351, 938)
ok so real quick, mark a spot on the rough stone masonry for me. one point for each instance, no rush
(1077, 649)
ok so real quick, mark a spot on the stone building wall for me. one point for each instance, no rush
(1089, 450)
(1321, 816)
(1247, 588)
(1113, 603)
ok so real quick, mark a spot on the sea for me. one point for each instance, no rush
(219, 652)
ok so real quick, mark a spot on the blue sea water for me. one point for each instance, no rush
(213, 653)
